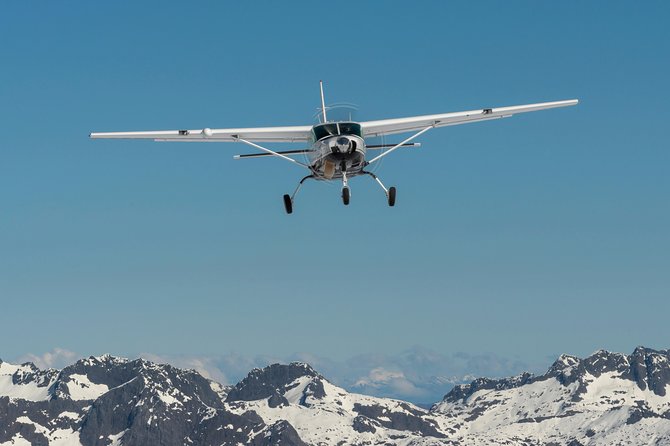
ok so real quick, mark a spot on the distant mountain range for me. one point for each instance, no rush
(605, 399)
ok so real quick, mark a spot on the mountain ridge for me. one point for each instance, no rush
(605, 398)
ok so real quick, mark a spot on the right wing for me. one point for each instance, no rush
(415, 123)
(256, 134)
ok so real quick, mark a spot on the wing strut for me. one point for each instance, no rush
(419, 133)
(260, 155)
(323, 103)
(271, 152)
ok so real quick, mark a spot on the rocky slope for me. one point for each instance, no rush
(607, 398)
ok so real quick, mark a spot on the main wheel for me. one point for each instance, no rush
(288, 204)
(345, 195)
(392, 196)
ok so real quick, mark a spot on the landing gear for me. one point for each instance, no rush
(346, 191)
(390, 192)
(288, 199)
(346, 194)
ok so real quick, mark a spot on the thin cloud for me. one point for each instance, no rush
(55, 359)
(416, 374)
(206, 366)
(392, 381)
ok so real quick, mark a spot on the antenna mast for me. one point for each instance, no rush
(323, 103)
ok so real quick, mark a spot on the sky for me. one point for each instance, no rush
(514, 240)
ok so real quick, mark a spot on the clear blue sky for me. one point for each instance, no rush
(526, 237)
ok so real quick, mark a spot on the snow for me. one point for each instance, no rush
(328, 418)
(64, 437)
(594, 410)
(56, 437)
(116, 439)
(168, 399)
(545, 410)
(38, 427)
(209, 413)
(26, 391)
(219, 389)
(17, 440)
(81, 388)
(294, 395)
(609, 386)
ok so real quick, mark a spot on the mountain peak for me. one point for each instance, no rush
(585, 397)
(641, 350)
(275, 379)
(648, 368)
(464, 391)
(106, 359)
(564, 362)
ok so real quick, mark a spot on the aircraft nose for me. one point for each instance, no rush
(342, 144)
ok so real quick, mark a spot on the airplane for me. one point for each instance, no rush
(337, 149)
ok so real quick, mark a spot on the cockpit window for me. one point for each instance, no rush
(321, 131)
(350, 128)
(331, 129)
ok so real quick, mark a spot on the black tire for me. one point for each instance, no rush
(346, 195)
(288, 204)
(392, 196)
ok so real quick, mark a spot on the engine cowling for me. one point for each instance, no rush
(343, 145)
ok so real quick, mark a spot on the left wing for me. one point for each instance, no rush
(257, 134)
(414, 123)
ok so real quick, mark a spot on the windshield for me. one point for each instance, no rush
(350, 128)
(339, 128)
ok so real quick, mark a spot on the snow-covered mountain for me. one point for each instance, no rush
(113, 401)
(607, 398)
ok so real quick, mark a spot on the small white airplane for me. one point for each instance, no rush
(337, 148)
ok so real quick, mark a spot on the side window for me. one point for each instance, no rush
(350, 128)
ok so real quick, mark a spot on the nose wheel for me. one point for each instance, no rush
(346, 195)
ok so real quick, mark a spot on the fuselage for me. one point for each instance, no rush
(337, 147)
